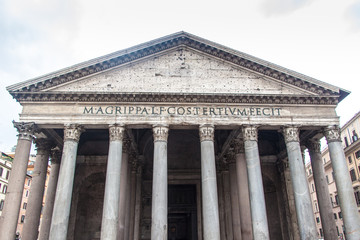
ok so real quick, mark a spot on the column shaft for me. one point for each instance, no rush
(343, 184)
(227, 205)
(235, 202)
(209, 186)
(110, 216)
(159, 211)
(243, 190)
(322, 191)
(34, 205)
(132, 202)
(303, 203)
(256, 189)
(50, 196)
(137, 205)
(15, 188)
(61, 212)
(122, 186)
(127, 206)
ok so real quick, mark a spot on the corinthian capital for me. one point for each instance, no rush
(332, 134)
(56, 155)
(116, 132)
(250, 133)
(238, 145)
(206, 132)
(25, 130)
(72, 132)
(43, 145)
(291, 134)
(313, 145)
(160, 133)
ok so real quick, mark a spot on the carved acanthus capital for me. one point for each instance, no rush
(206, 132)
(161, 133)
(313, 145)
(43, 145)
(238, 144)
(116, 132)
(332, 134)
(250, 133)
(72, 132)
(291, 134)
(126, 145)
(25, 130)
(230, 157)
(56, 155)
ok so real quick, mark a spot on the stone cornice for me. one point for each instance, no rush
(176, 40)
(172, 97)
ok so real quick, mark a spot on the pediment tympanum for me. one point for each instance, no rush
(180, 71)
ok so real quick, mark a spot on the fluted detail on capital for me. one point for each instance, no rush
(160, 133)
(230, 156)
(116, 132)
(206, 132)
(250, 133)
(291, 134)
(314, 145)
(25, 130)
(72, 132)
(238, 144)
(126, 145)
(332, 134)
(43, 144)
(56, 155)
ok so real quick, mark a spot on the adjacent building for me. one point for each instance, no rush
(351, 145)
(5, 168)
(176, 138)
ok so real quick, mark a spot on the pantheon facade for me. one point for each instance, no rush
(177, 138)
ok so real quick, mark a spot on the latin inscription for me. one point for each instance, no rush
(182, 111)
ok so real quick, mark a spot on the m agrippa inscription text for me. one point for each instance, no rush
(182, 111)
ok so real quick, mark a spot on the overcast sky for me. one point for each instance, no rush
(318, 38)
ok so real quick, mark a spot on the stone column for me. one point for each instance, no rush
(34, 205)
(122, 186)
(138, 204)
(242, 183)
(343, 184)
(110, 216)
(61, 212)
(303, 204)
(15, 188)
(234, 197)
(132, 197)
(256, 190)
(50, 195)
(159, 210)
(209, 186)
(322, 191)
(127, 205)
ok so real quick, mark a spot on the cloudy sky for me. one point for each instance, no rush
(319, 38)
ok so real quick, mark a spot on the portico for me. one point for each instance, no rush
(180, 120)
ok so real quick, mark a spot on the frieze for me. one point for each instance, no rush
(181, 111)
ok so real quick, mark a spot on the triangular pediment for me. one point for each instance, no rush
(178, 64)
(181, 70)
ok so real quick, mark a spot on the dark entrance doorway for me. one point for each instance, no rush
(182, 215)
